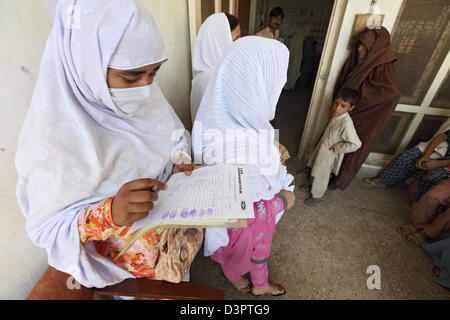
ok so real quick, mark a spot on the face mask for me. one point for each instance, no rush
(130, 100)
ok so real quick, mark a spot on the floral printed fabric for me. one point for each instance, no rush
(96, 224)
(284, 153)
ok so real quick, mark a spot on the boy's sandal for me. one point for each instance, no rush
(406, 229)
(277, 291)
(303, 175)
(312, 202)
(305, 188)
(368, 183)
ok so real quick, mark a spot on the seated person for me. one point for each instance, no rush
(428, 161)
(339, 137)
(426, 222)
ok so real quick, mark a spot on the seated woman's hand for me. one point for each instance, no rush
(183, 164)
(420, 162)
(433, 164)
(134, 200)
(290, 197)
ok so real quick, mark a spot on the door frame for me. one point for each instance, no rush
(311, 128)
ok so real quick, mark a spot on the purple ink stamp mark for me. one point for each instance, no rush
(184, 213)
(192, 213)
(173, 214)
(165, 216)
(209, 212)
(202, 213)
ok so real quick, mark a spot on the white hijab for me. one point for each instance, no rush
(213, 41)
(76, 146)
(242, 95)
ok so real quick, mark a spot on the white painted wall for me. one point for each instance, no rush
(332, 62)
(24, 26)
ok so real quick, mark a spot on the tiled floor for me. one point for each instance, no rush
(324, 252)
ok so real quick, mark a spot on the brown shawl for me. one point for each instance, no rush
(377, 82)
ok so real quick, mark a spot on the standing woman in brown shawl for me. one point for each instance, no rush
(369, 69)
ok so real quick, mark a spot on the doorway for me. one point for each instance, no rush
(303, 31)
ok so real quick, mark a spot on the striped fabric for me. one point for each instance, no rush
(423, 213)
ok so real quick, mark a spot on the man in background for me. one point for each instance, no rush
(272, 31)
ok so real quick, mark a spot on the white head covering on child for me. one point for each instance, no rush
(213, 41)
(77, 147)
(242, 97)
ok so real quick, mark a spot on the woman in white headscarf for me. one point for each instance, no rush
(233, 126)
(98, 136)
(214, 39)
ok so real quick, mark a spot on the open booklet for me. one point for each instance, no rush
(212, 196)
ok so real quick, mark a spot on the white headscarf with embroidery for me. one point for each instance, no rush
(213, 41)
(77, 147)
(233, 122)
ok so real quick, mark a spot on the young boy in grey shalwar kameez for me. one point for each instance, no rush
(339, 137)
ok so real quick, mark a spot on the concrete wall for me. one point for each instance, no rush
(24, 26)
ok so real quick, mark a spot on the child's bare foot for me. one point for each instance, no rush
(373, 182)
(242, 285)
(273, 289)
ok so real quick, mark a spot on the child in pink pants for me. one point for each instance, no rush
(249, 248)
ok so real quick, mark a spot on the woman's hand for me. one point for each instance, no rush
(134, 200)
(420, 162)
(183, 164)
(290, 197)
(433, 164)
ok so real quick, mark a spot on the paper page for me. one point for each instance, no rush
(210, 196)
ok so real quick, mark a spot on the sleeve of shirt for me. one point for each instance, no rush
(279, 203)
(96, 224)
(350, 141)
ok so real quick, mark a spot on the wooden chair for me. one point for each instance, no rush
(53, 285)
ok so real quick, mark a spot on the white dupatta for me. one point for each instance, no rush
(241, 98)
(76, 148)
(213, 41)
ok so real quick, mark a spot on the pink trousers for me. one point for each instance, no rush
(249, 248)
